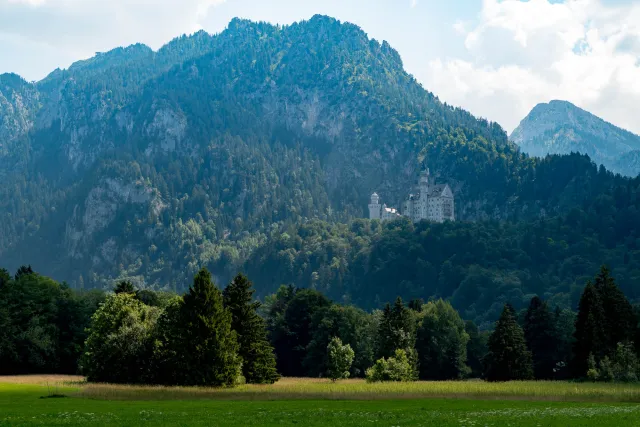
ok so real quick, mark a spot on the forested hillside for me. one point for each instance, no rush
(257, 149)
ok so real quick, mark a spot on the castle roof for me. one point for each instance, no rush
(437, 190)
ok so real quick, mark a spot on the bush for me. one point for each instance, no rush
(396, 368)
(119, 347)
(340, 358)
(623, 366)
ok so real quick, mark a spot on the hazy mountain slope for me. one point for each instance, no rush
(560, 127)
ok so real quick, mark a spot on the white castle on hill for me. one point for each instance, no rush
(432, 202)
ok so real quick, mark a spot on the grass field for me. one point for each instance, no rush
(24, 401)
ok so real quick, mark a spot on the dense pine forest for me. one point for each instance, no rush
(223, 337)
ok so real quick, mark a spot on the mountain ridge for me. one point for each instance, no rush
(560, 127)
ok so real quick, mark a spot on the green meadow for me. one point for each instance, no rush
(26, 401)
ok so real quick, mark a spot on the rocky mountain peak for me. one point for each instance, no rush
(560, 127)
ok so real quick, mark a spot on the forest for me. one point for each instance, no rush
(225, 336)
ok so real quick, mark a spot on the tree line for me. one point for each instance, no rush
(218, 337)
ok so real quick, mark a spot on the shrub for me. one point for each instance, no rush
(340, 358)
(396, 368)
(621, 367)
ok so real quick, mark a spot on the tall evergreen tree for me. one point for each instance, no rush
(590, 333)
(198, 345)
(539, 332)
(620, 321)
(258, 359)
(396, 330)
(23, 271)
(5, 277)
(508, 357)
(124, 287)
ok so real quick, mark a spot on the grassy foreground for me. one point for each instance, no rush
(320, 403)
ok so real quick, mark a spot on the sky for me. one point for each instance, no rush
(495, 58)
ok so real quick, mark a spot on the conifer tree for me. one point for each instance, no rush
(539, 332)
(590, 337)
(198, 346)
(396, 330)
(508, 357)
(620, 321)
(258, 359)
(5, 277)
(124, 287)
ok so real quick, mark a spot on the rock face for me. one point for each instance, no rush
(560, 127)
(19, 102)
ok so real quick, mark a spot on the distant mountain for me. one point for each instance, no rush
(560, 127)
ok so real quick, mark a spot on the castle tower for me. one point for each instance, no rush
(424, 182)
(422, 208)
(375, 208)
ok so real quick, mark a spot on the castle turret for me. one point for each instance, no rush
(374, 207)
(424, 181)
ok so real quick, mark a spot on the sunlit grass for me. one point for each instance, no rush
(353, 389)
(317, 389)
(41, 379)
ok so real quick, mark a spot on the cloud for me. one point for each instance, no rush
(414, 3)
(82, 27)
(523, 53)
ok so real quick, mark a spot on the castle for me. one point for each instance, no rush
(432, 202)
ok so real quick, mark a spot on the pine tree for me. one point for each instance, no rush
(258, 359)
(508, 357)
(590, 336)
(24, 270)
(539, 332)
(620, 321)
(125, 287)
(198, 346)
(396, 330)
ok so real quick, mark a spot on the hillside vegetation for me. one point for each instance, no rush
(257, 149)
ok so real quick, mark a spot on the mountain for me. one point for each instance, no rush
(560, 127)
(224, 151)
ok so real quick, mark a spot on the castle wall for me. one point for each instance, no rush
(438, 207)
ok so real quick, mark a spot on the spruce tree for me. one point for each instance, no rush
(620, 321)
(124, 287)
(197, 345)
(508, 357)
(258, 359)
(539, 332)
(590, 335)
(396, 330)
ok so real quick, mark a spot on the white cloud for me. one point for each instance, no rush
(82, 27)
(414, 3)
(523, 53)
